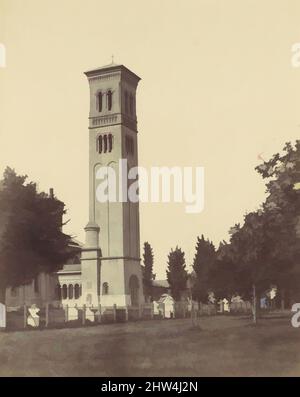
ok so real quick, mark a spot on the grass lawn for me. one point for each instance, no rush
(224, 346)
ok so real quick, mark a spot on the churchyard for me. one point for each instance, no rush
(222, 345)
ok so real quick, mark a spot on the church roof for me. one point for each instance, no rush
(71, 268)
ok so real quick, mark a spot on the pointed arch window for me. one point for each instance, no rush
(109, 100)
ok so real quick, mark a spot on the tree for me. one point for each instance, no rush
(249, 253)
(203, 261)
(176, 272)
(222, 274)
(31, 237)
(265, 250)
(148, 269)
(282, 211)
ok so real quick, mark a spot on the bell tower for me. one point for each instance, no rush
(111, 270)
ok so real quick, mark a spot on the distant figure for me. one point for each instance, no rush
(33, 319)
(263, 303)
(226, 305)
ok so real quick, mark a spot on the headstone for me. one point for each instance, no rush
(33, 319)
(2, 316)
(90, 314)
(73, 313)
(226, 307)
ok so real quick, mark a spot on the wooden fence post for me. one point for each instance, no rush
(183, 311)
(140, 311)
(66, 313)
(47, 314)
(83, 314)
(152, 311)
(99, 311)
(25, 316)
(126, 313)
(115, 312)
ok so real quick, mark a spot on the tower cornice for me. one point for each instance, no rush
(112, 69)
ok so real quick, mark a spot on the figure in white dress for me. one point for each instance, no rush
(226, 307)
(33, 319)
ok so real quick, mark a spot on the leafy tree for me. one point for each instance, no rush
(148, 260)
(282, 212)
(176, 272)
(203, 262)
(249, 252)
(31, 237)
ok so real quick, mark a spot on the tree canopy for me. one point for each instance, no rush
(31, 237)
(176, 272)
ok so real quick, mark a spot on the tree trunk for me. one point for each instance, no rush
(254, 304)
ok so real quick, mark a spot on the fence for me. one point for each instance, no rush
(244, 307)
(58, 315)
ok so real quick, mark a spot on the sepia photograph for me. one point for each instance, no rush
(149, 191)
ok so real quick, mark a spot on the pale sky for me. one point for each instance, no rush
(217, 90)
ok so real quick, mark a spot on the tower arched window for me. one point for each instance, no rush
(99, 101)
(76, 291)
(99, 144)
(71, 291)
(109, 100)
(105, 143)
(64, 291)
(110, 142)
(105, 289)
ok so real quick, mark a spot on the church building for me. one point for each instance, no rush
(106, 269)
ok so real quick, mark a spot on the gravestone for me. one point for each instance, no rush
(2, 316)
(90, 314)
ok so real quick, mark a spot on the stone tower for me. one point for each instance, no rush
(111, 271)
